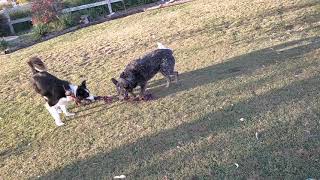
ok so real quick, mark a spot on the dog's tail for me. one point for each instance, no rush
(161, 46)
(36, 65)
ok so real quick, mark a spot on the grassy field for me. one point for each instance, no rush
(251, 59)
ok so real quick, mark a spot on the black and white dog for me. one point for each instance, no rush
(138, 72)
(57, 93)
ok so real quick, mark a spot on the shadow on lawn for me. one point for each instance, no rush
(141, 152)
(285, 150)
(245, 64)
(93, 109)
(14, 151)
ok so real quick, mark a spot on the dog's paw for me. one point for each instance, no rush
(78, 103)
(126, 98)
(146, 97)
(136, 99)
(60, 124)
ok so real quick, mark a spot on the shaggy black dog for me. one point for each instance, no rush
(140, 71)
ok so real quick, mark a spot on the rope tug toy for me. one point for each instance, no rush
(111, 99)
(106, 99)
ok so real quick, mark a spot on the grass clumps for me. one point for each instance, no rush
(3, 45)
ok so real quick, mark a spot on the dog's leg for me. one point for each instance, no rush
(65, 111)
(132, 94)
(168, 81)
(176, 76)
(54, 113)
(62, 105)
(142, 90)
(59, 110)
(166, 74)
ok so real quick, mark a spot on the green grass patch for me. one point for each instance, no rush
(20, 14)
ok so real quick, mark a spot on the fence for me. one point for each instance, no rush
(10, 22)
(24, 7)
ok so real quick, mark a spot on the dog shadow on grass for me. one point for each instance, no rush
(92, 109)
(237, 66)
(142, 152)
(14, 151)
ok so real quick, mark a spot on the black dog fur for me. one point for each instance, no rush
(140, 71)
(55, 91)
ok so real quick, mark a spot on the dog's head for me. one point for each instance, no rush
(83, 93)
(122, 86)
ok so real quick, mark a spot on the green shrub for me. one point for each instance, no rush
(73, 3)
(20, 14)
(96, 12)
(133, 3)
(2, 32)
(40, 30)
(118, 6)
(3, 45)
(56, 26)
(115, 6)
(93, 13)
(68, 20)
(63, 22)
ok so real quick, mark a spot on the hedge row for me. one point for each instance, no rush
(68, 20)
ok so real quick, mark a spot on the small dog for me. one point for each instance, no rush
(138, 72)
(57, 93)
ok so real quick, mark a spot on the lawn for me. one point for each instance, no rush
(253, 60)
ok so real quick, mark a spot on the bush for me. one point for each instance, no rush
(45, 11)
(3, 45)
(56, 26)
(133, 3)
(93, 13)
(130, 3)
(20, 14)
(67, 20)
(96, 12)
(73, 3)
(2, 32)
(63, 22)
(40, 30)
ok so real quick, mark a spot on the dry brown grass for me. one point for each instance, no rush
(249, 59)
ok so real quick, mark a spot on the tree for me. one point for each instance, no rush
(45, 11)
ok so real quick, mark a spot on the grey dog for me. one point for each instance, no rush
(139, 71)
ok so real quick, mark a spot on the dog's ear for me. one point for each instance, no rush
(115, 82)
(84, 83)
(123, 75)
